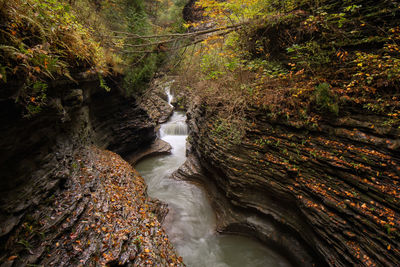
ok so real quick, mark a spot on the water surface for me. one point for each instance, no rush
(190, 223)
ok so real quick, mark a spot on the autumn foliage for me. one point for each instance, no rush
(42, 41)
(103, 217)
(304, 100)
(305, 59)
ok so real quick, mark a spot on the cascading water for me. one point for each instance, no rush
(190, 223)
(168, 92)
(176, 127)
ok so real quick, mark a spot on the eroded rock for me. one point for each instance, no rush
(155, 100)
(64, 204)
(327, 194)
(102, 217)
(158, 147)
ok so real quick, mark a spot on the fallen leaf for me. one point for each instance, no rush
(12, 258)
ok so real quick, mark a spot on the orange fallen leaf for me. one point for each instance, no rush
(12, 258)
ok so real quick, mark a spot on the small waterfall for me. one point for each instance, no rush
(170, 96)
(176, 125)
(174, 128)
(190, 222)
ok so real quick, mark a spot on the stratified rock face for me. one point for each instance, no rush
(100, 216)
(33, 151)
(59, 207)
(155, 100)
(331, 189)
(118, 123)
(158, 147)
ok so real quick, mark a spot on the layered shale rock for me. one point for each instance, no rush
(64, 204)
(155, 100)
(326, 194)
(100, 216)
(118, 123)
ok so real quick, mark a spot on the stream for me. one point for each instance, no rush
(190, 223)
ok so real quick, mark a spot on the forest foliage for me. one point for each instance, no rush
(45, 40)
(300, 59)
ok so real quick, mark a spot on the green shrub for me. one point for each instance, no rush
(325, 99)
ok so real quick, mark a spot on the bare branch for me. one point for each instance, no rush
(189, 34)
(178, 47)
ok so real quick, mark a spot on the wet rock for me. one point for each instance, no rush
(119, 124)
(158, 147)
(74, 98)
(232, 219)
(329, 194)
(116, 224)
(179, 102)
(160, 209)
(59, 207)
(155, 100)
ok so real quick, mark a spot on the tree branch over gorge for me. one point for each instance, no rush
(194, 37)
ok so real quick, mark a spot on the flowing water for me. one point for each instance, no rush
(190, 223)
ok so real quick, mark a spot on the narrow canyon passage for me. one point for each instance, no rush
(265, 133)
(190, 223)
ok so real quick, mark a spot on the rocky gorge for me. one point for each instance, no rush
(283, 184)
(68, 202)
(325, 196)
(293, 113)
(297, 142)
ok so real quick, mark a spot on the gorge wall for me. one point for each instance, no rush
(325, 195)
(65, 202)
